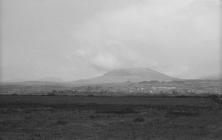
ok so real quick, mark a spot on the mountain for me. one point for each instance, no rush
(128, 75)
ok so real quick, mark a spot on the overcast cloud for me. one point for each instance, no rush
(74, 39)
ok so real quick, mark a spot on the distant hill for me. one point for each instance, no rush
(44, 80)
(128, 75)
(51, 79)
(212, 77)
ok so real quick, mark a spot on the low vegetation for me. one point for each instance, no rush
(99, 118)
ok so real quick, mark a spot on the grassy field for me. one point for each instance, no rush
(109, 118)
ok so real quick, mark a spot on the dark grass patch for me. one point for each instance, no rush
(93, 116)
(138, 119)
(61, 122)
(178, 113)
(9, 125)
(117, 111)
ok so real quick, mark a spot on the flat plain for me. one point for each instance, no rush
(113, 118)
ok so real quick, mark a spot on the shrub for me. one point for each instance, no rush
(51, 94)
(61, 122)
(139, 119)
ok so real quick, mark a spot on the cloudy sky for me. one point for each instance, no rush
(75, 39)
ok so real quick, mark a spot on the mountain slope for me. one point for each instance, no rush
(131, 75)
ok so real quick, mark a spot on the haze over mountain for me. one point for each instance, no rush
(78, 39)
(128, 75)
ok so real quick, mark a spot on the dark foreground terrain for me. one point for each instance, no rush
(109, 118)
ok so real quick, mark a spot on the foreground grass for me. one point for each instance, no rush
(96, 121)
